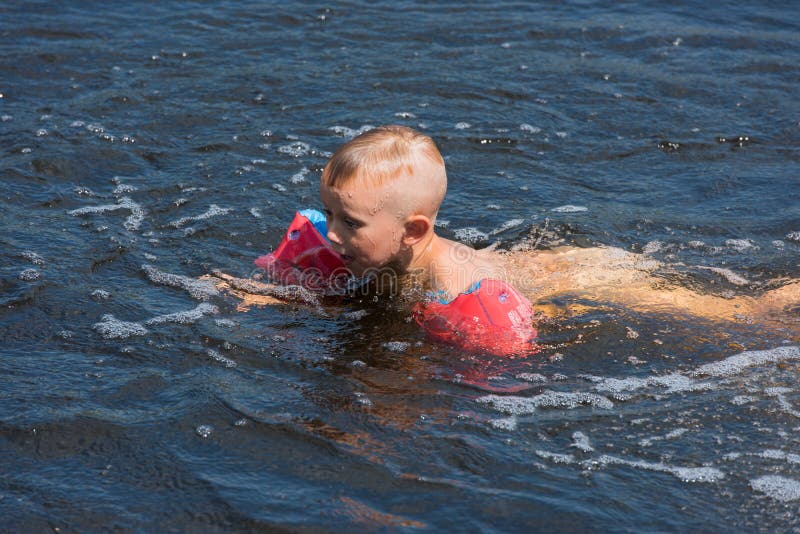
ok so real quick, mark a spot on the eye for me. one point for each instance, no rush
(351, 223)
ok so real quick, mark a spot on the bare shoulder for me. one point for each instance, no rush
(459, 266)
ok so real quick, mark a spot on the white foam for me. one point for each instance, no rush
(225, 323)
(295, 293)
(729, 275)
(556, 457)
(777, 390)
(463, 125)
(652, 247)
(101, 294)
(124, 188)
(738, 362)
(405, 115)
(199, 289)
(204, 430)
(673, 382)
(133, 221)
(279, 187)
(349, 133)
(33, 257)
(295, 149)
(213, 211)
(355, 314)
(217, 356)
(112, 328)
(255, 212)
(514, 405)
(777, 487)
(793, 237)
(525, 127)
(362, 399)
(84, 191)
(513, 223)
(470, 234)
(504, 423)
(531, 377)
(678, 432)
(396, 346)
(786, 406)
(299, 176)
(777, 454)
(741, 245)
(581, 442)
(185, 317)
(569, 208)
(686, 474)
(29, 275)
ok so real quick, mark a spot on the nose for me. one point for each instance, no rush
(333, 237)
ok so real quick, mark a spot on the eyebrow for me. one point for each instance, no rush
(354, 219)
(345, 213)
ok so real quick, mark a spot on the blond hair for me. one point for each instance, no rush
(385, 154)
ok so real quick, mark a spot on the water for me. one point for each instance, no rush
(145, 145)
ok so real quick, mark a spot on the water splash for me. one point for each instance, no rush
(198, 289)
(185, 317)
(112, 328)
(213, 211)
(134, 220)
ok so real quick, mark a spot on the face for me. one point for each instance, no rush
(364, 226)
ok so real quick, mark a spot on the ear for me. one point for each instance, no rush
(416, 227)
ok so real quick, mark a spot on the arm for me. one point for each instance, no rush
(251, 292)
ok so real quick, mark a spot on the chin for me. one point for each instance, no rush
(360, 270)
(356, 269)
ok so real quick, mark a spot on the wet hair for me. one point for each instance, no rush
(384, 154)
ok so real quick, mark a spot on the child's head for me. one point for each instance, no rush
(381, 192)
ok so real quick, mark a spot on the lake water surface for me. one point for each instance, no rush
(144, 144)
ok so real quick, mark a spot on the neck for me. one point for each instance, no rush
(424, 254)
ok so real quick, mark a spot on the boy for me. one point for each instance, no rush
(381, 193)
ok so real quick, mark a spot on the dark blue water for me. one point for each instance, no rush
(145, 144)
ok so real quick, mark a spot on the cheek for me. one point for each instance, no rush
(374, 249)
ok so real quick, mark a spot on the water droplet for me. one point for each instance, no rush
(204, 430)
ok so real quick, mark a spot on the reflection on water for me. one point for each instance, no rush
(147, 145)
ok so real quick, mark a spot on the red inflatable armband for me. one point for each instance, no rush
(304, 257)
(494, 318)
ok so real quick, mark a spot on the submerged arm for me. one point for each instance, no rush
(251, 292)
